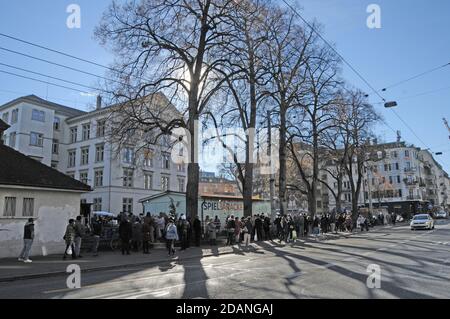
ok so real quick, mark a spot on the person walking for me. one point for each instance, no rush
(183, 230)
(197, 225)
(212, 230)
(137, 235)
(237, 230)
(259, 228)
(247, 230)
(80, 232)
(28, 237)
(171, 236)
(69, 238)
(230, 230)
(97, 230)
(360, 222)
(266, 227)
(125, 234)
(146, 237)
(301, 225)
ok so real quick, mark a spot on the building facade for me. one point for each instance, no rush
(400, 177)
(76, 143)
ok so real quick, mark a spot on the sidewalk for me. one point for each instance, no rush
(11, 269)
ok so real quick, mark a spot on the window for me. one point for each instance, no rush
(86, 132)
(73, 134)
(55, 146)
(181, 167)
(10, 207)
(100, 128)
(128, 177)
(12, 139)
(398, 180)
(99, 152)
(72, 157)
(406, 153)
(14, 116)
(148, 181)
(165, 161)
(400, 193)
(408, 165)
(5, 117)
(98, 178)
(127, 205)
(56, 123)
(397, 166)
(165, 182)
(181, 184)
(85, 156)
(97, 204)
(84, 177)
(394, 154)
(128, 155)
(37, 115)
(148, 158)
(36, 139)
(28, 207)
(391, 180)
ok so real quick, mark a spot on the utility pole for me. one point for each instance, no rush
(272, 177)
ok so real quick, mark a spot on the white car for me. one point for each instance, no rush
(441, 214)
(422, 221)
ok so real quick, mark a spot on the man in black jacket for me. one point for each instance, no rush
(28, 237)
(259, 228)
(125, 233)
(197, 225)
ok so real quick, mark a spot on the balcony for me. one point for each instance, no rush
(410, 183)
(410, 170)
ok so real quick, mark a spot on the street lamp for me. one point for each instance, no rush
(390, 104)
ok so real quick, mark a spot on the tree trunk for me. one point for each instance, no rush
(282, 159)
(248, 190)
(193, 166)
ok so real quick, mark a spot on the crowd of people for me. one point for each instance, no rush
(137, 233)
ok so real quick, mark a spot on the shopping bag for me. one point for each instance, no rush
(294, 235)
(69, 251)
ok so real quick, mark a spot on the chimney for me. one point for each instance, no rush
(3, 128)
(99, 102)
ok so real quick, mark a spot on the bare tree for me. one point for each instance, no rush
(172, 47)
(290, 47)
(316, 102)
(358, 121)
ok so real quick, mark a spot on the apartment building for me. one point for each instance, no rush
(75, 143)
(401, 177)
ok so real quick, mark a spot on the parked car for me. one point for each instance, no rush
(441, 214)
(422, 221)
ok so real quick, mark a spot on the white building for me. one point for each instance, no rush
(29, 189)
(75, 143)
(401, 177)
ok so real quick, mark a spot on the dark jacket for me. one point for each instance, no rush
(125, 230)
(197, 225)
(97, 228)
(28, 231)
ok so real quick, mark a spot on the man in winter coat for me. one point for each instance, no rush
(197, 225)
(125, 234)
(28, 237)
(266, 226)
(80, 232)
(259, 228)
(184, 228)
(69, 238)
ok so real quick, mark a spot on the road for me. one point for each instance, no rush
(412, 265)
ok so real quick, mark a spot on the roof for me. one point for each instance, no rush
(33, 99)
(166, 193)
(20, 170)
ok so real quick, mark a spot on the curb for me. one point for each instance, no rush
(93, 269)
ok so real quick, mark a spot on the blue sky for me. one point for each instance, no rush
(413, 38)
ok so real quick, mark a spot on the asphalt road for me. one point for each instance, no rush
(412, 265)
